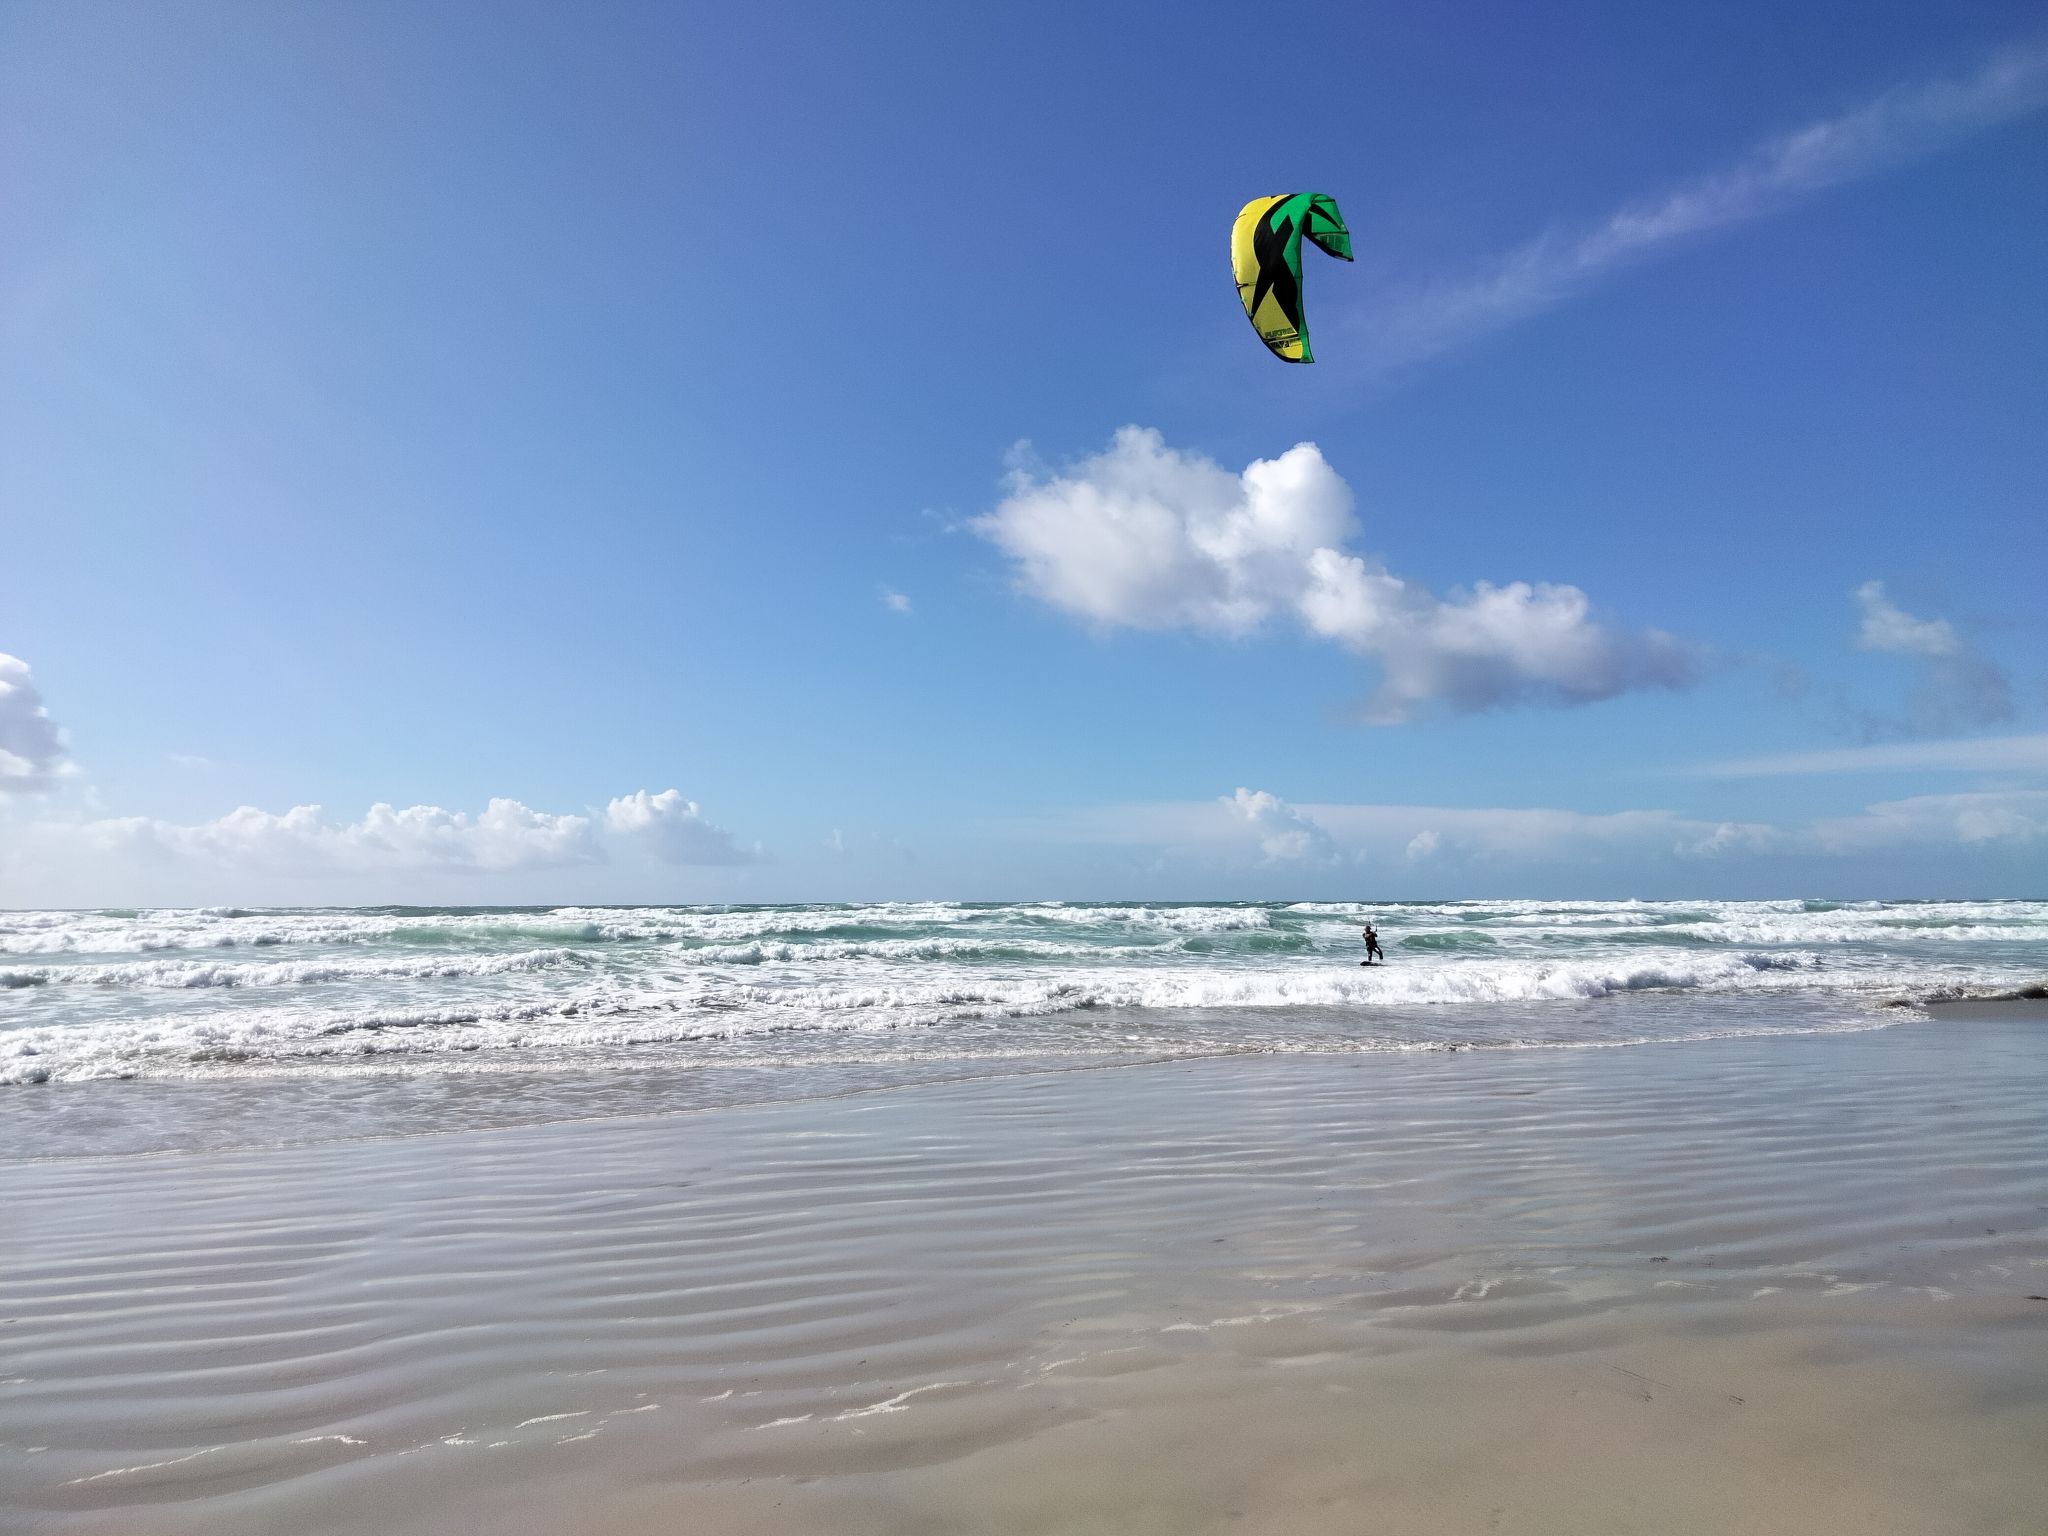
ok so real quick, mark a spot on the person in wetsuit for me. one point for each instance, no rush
(1372, 946)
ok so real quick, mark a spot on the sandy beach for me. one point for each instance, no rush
(1750, 1285)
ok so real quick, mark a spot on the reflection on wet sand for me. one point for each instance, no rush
(1745, 1285)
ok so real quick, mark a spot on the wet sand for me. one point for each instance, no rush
(1740, 1286)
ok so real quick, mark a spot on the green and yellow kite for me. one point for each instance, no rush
(1265, 252)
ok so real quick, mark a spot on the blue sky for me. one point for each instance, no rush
(432, 406)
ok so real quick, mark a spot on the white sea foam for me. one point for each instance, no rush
(100, 933)
(592, 1020)
(1170, 919)
(180, 974)
(106, 993)
(761, 952)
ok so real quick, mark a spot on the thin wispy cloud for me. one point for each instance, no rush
(1957, 686)
(1977, 754)
(1905, 123)
(1257, 827)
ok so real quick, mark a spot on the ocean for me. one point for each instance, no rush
(393, 1018)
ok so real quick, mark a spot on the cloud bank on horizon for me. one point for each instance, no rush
(99, 857)
(506, 835)
(1378, 837)
(1899, 125)
(1143, 536)
(1250, 832)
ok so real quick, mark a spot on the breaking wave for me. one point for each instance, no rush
(247, 991)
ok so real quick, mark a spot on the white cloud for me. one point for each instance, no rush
(1728, 838)
(32, 755)
(1285, 834)
(673, 829)
(302, 841)
(1492, 647)
(1528, 834)
(253, 855)
(1940, 821)
(1386, 836)
(1902, 124)
(1143, 536)
(1970, 754)
(1887, 627)
(894, 601)
(1959, 685)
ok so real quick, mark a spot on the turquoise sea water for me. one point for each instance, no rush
(722, 1003)
(231, 992)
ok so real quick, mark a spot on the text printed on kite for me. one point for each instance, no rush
(1265, 255)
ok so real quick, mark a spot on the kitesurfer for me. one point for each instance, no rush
(1372, 946)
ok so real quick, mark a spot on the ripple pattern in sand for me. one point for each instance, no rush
(398, 1335)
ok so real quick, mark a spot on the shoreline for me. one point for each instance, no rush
(1258, 1292)
(348, 1102)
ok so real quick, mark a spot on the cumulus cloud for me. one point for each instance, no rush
(303, 841)
(1143, 536)
(32, 755)
(1958, 685)
(250, 851)
(1899, 125)
(674, 830)
(894, 601)
(1285, 834)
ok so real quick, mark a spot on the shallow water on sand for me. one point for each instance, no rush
(1755, 1284)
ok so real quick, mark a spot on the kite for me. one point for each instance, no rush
(1265, 252)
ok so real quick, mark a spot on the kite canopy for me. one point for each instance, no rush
(1265, 252)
